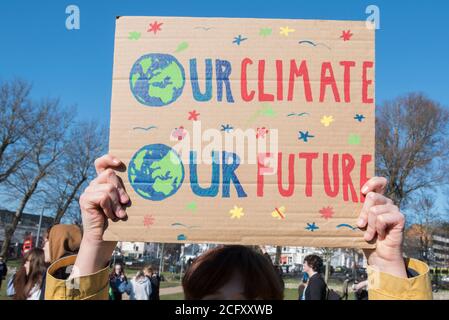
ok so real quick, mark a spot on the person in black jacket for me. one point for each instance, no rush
(316, 288)
(3, 271)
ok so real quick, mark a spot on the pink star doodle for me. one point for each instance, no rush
(148, 220)
(193, 115)
(346, 35)
(327, 212)
(155, 27)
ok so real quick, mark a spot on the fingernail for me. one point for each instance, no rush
(361, 222)
(365, 189)
(121, 213)
(116, 161)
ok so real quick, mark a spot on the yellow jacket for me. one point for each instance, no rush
(381, 286)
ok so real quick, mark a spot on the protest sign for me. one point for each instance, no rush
(251, 131)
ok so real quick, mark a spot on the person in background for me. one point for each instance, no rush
(105, 201)
(3, 271)
(28, 281)
(118, 282)
(155, 280)
(139, 287)
(302, 286)
(360, 289)
(316, 288)
(232, 273)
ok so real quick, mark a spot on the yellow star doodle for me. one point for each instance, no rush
(285, 31)
(327, 120)
(236, 212)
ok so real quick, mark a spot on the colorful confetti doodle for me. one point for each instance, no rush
(239, 39)
(297, 114)
(155, 27)
(327, 120)
(327, 212)
(265, 32)
(145, 129)
(279, 213)
(236, 212)
(226, 128)
(179, 133)
(181, 237)
(304, 136)
(134, 35)
(285, 31)
(261, 132)
(359, 117)
(192, 206)
(182, 46)
(311, 226)
(193, 115)
(148, 220)
(346, 35)
(354, 139)
(345, 225)
(314, 44)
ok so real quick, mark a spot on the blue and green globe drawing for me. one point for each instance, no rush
(156, 172)
(157, 79)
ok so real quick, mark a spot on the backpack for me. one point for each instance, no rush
(331, 294)
(10, 291)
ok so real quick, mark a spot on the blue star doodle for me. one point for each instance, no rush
(239, 39)
(311, 226)
(226, 128)
(359, 117)
(304, 136)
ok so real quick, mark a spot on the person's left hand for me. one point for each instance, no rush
(383, 224)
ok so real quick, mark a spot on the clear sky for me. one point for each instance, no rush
(412, 45)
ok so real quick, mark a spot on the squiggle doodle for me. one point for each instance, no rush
(346, 225)
(178, 224)
(314, 44)
(204, 28)
(297, 114)
(146, 129)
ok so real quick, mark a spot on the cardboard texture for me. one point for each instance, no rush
(302, 88)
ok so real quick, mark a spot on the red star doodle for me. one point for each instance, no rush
(346, 35)
(193, 115)
(155, 27)
(148, 220)
(327, 212)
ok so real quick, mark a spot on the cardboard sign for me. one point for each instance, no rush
(251, 131)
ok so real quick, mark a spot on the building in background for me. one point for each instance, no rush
(440, 250)
(26, 229)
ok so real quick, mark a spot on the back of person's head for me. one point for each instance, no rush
(140, 275)
(218, 267)
(315, 262)
(30, 273)
(148, 270)
(63, 240)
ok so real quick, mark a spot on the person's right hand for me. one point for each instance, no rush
(105, 198)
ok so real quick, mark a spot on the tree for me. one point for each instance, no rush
(86, 143)
(411, 145)
(47, 141)
(277, 257)
(327, 254)
(15, 120)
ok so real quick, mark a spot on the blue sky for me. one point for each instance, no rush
(412, 45)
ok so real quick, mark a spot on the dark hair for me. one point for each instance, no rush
(315, 262)
(23, 282)
(112, 275)
(213, 269)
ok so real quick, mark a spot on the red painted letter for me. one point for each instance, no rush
(262, 95)
(309, 170)
(327, 183)
(347, 166)
(366, 82)
(328, 80)
(347, 78)
(291, 175)
(262, 169)
(363, 168)
(243, 82)
(295, 72)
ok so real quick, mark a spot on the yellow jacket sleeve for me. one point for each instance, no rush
(384, 286)
(91, 287)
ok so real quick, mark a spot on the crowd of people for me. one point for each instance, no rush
(143, 286)
(224, 272)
